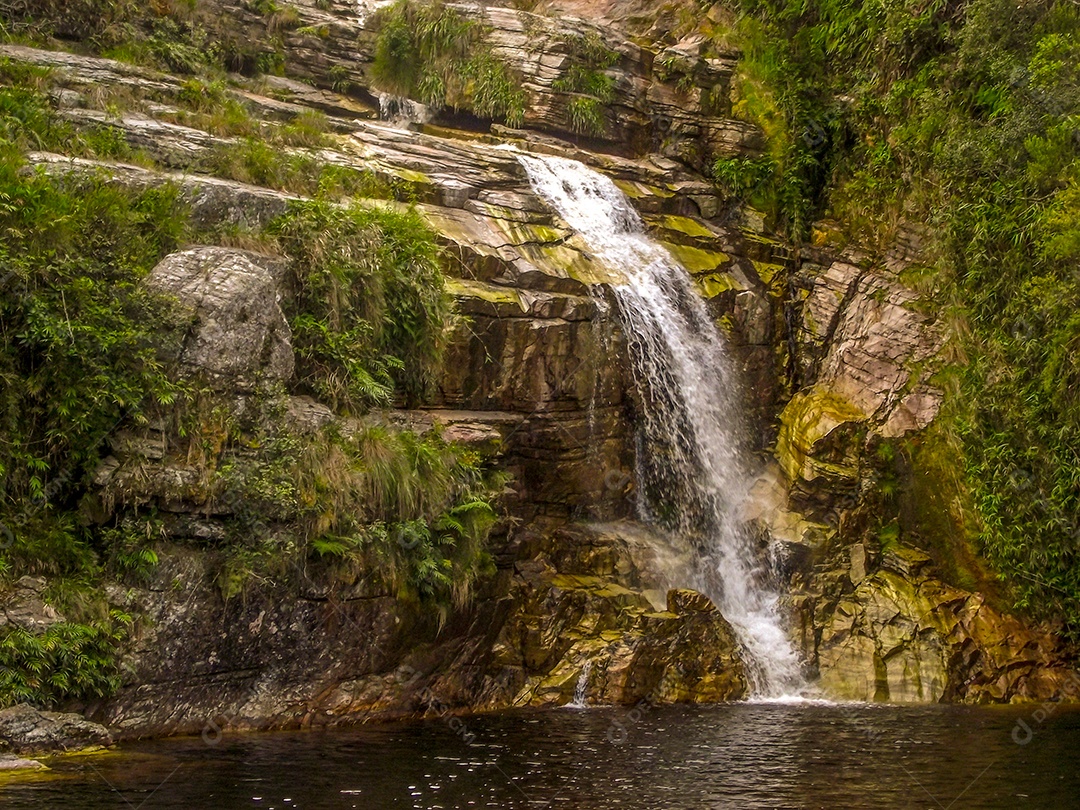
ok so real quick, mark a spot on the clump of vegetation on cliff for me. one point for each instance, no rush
(409, 510)
(965, 117)
(433, 53)
(584, 78)
(370, 308)
(80, 352)
(175, 36)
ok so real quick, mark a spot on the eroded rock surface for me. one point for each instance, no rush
(574, 597)
(26, 730)
(899, 634)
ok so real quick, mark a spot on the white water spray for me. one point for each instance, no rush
(691, 471)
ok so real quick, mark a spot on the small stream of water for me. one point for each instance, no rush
(692, 471)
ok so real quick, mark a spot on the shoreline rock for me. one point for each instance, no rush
(26, 730)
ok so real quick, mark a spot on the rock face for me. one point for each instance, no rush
(25, 730)
(674, 101)
(926, 642)
(24, 606)
(862, 341)
(562, 601)
(874, 617)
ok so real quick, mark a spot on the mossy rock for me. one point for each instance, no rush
(573, 264)
(523, 233)
(684, 225)
(697, 260)
(819, 433)
(640, 191)
(767, 271)
(713, 284)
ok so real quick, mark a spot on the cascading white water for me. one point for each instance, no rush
(581, 690)
(691, 470)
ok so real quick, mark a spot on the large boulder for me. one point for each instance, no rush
(239, 334)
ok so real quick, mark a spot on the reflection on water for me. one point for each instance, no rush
(734, 756)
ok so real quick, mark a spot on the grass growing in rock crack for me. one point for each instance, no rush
(370, 309)
(585, 79)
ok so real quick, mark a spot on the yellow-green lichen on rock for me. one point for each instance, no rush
(711, 285)
(684, 225)
(523, 233)
(639, 191)
(817, 432)
(697, 260)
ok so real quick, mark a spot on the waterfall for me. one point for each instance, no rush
(692, 475)
(581, 689)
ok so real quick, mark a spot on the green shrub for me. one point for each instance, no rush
(100, 21)
(370, 307)
(66, 661)
(80, 345)
(411, 510)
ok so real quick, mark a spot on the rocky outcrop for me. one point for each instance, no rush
(24, 606)
(834, 346)
(874, 615)
(26, 730)
(675, 101)
(865, 348)
(562, 601)
(893, 632)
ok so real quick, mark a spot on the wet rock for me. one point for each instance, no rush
(862, 338)
(682, 601)
(24, 730)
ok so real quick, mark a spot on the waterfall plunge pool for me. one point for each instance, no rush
(743, 755)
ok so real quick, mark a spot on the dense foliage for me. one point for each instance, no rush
(65, 661)
(965, 117)
(370, 307)
(591, 89)
(411, 510)
(81, 350)
(178, 36)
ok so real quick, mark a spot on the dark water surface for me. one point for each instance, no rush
(737, 756)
